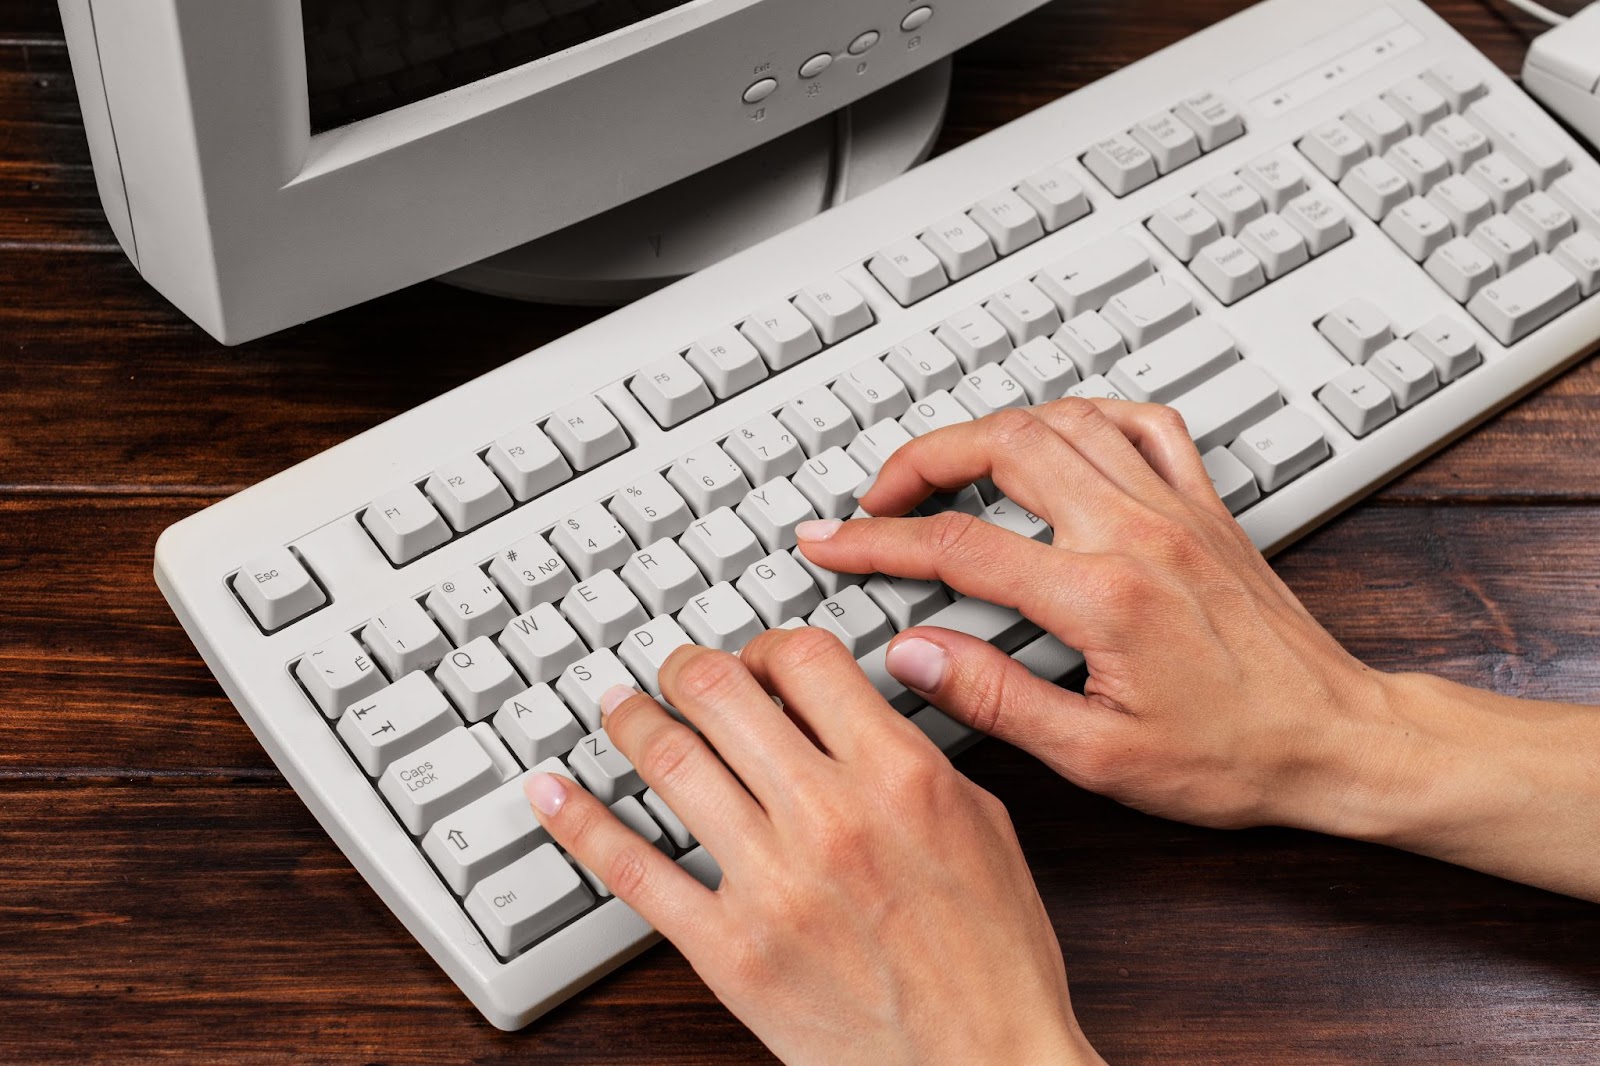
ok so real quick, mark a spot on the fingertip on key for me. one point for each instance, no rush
(817, 531)
(615, 697)
(547, 793)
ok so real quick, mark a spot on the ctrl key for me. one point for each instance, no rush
(278, 589)
(528, 900)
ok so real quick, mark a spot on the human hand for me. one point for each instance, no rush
(875, 906)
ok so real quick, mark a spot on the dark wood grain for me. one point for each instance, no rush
(164, 895)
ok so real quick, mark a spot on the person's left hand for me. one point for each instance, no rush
(875, 905)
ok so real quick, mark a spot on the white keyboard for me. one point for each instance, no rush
(1333, 235)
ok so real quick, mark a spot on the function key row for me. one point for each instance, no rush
(1164, 142)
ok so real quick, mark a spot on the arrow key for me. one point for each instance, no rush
(1450, 345)
(484, 836)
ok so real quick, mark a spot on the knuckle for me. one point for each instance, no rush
(667, 756)
(706, 675)
(627, 874)
(1076, 410)
(1169, 421)
(801, 650)
(752, 959)
(952, 532)
(986, 695)
(1012, 429)
(839, 837)
(917, 775)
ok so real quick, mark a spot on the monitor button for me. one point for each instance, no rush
(917, 19)
(816, 65)
(864, 43)
(760, 90)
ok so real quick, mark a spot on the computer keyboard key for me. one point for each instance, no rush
(1580, 194)
(1420, 163)
(1087, 279)
(1457, 82)
(904, 602)
(530, 572)
(603, 610)
(650, 510)
(1281, 448)
(478, 679)
(1175, 364)
(1322, 224)
(1042, 369)
(1507, 243)
(782, 335)
(395, 721)
(1229, 270)
(1462, 267)
(404, 524)
(604, 770)
(764, 449)
(1008, 220)
(277, 588)
(1277, 177)
(961, 245)
(469, 605)
(1421, 105)
(975, 337)
(1462, 143)
(1546, 221)
(646, 650)
(1406, 372)
(591, 540)
(829, 582)
(671, 391)
(835, 308)
(1122, 164)
(1358, 400)
(830, 480)
(1185, 227)
(727, 362)
(404, 638)
(527, 900)
(484, 836)
(1529, 297)
(1518, 138)
(1218, 410)
(1419, 228)
(708, 479)
(1376, 187)
(663, 577)
(1234, 482)
(721, 545)
(819, 421)
(1580, 254)
(909, 270)
(1334, 148)
(1171, 142)
(777, 588)
(872, 392)
(851, 616)
(582, 684)
(1096, 388)
(682, 839)
(1213, 118)
(1278, 246)
(536, 725)
(874, 445)
(505, 764)
(1232, 201)
(1463, 203)
(337, 673)
(968, 500)
(773, 511)
(1092, 343)
(1500, 178)
(527, 462)
(441, 776)
(1057, 196)
(1380, 125)
(924, 364)
(1025, 312)
(587, 433)
(720, 618)
(467, 493)
(542, 643)
(1449, 345)
(989, 389)
(1357, 329)
(1150, 310)
(1019, 520)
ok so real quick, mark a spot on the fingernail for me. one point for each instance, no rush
(547, 793)
(866, 486)
(817, 530)
(918, 664)
(615, 697)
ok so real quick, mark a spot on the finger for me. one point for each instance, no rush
(715, 692)
(1161, 436)
(1084, 425)
(699, 789)
(663, 893)
(817, 679)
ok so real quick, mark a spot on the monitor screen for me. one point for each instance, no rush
(365, 57)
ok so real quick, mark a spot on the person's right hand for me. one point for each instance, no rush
(1213, 696)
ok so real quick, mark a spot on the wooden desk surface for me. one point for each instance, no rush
(163, 892)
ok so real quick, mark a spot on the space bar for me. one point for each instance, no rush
(1001, 626)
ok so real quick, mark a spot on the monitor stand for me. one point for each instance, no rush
(632, 250)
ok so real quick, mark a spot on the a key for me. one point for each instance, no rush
(1042, 369)
(1507, 243)
(819, 421)
(536, 725)
(1185, 227)
(582, 684)
(967, 500)
(531, 572)
(924, 364)
(681, 838)
(989, 389)
(782, 335)
(1358, 400)
(777, 588)
(1357, 329)
(1056, 195)
(1323, 225)
(646, 650)
(532, 897)
(721, 545)
(1449, 346)
(1380, 125)
(278, 589)
(1420, 163)
(1085, 280)
(1580, 255)
(1277, 177)
(727, 362)
(835, 308)
(1462, 143)
(591, 540)
(671, 391)
(1012, 516)
(1462, 267)
(604, 770)
(830, 480)
(851, 616)
(337, 673)
(663, 577)
(1463, 203)
(1525, 299)
(909, 270)
(1213, 118)
(469, 605)
(1149, 310)
(1457, 82)
(1580, 194)
(1420, 104)
(1419, 228)
(478, 679)
(935, 411)
(1096, 388)
(828, 581)
(1218, 410)
(720, 618)
(1008, 220)
(484, 836)
(1278, 245)
(1232, 201)
(874, 445)
(1518, 138)
(764, 449)
(1376, 187)
(975, 337)
(1502, 180)
(773, 510)
(1175, 364)
(403, 638)
(603, 609)
(404, 524)
(650, 510)
(1025, 312)
(1171, 142)
(1121, 163)
(467, 493)
(1406, 372)
(587, 433)
(437, 778)
(1235, 484)
(708, 479)
(961, 245)
(872, 393)
(904, 602)
(542, 643)
(1281, 448)
(1546, 221)
(1229, 270)
(395, 721)
(1093, 344)
(1334, 148)
(527, 462)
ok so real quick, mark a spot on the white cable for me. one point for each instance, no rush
(1538, 11)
